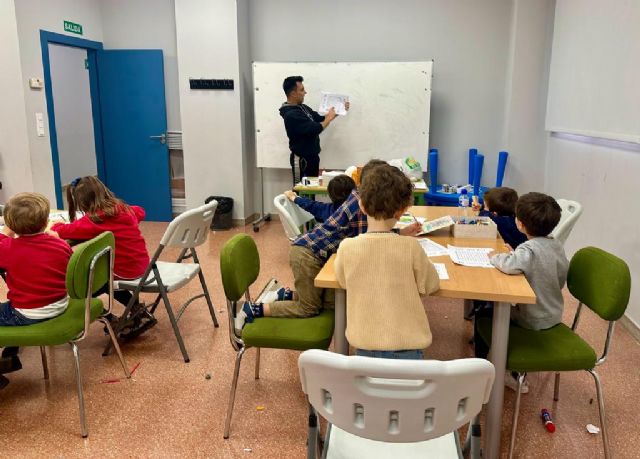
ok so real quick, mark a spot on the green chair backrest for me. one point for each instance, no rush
(80, 262)
(601, 281)
(239, 265)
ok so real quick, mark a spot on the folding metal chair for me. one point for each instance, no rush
(293, 217)
(187, 231)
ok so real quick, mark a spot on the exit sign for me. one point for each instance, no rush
(72, 27)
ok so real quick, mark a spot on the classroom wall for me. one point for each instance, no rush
(526, 95)
(74, 117)
(15, 159)
(207, 44)
(146, 24)
(478, 49)
(602, 175)
(247, 123)
(31, 16)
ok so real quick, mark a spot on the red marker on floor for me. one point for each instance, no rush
(548, 422)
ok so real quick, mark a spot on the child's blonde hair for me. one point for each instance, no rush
(27, 213)
(91, 196)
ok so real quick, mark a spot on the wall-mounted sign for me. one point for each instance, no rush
(72, 27)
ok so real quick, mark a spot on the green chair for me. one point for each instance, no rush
(602, 282)
(240, 266)
(89, 269)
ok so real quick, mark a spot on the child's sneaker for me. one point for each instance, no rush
(243, 316)
(512, 383)
(282, 294)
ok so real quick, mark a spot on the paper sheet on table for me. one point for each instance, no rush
(433, 249)
(438, 223)
(470, 256)
(59, 217)
(337, 101)
(442, 271)
(420, 185)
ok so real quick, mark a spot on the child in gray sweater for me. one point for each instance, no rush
(542, 261)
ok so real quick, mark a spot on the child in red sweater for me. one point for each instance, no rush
(104, 212)
(35, 267)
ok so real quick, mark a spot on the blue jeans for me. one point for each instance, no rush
(411, 354)
(10, 317)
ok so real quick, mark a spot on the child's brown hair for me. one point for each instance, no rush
(385, 192)
(91, 196)
(339, 188)
(539, 213)
(501, 200)
(27, 213)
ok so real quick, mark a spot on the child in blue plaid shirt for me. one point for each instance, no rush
(308, 254)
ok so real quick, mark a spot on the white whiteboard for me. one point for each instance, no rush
(389, 115)
(594, 81)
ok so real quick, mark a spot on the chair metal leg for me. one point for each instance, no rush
(174, 323)
(208, 298)
(312, 434)
(116, 346)
(472, 444)
(83, 420)
(232, 395)
(605, 438)
(45, 367)
(556, 388)
(257, 363)
(516, 412)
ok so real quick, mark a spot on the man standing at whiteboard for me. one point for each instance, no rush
(303, 126)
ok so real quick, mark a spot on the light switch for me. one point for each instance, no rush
(40, 124)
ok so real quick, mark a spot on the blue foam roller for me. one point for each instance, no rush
(502, 165)
(433, 169)
(472, 154)
(477, 173)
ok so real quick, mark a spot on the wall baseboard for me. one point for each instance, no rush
(632, 327)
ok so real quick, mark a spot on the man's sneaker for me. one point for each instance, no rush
(243, 316)
(512, 383)
(282, 294)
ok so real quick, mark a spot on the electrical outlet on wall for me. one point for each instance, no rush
(40, 124)
(36, 83)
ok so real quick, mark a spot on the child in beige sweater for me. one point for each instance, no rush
(385, 274)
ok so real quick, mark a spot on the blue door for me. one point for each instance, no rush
(134, 126)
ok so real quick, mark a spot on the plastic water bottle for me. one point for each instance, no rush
(463, 202)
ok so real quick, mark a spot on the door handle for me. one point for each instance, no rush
(161, 137)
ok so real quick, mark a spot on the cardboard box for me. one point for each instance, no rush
(474, 228)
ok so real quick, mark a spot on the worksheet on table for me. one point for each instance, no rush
(470, 256)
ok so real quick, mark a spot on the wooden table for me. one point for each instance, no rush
(465, 283)
(313, 190)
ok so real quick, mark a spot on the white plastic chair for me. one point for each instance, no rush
(294, 219)
(384, 408)
(571, 211)
(187, 231)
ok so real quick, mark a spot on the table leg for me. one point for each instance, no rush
(340, 340)
(499, 342)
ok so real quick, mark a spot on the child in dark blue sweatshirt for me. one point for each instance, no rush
(500, 206)
(339, 189)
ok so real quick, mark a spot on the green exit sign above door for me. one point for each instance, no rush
(72, 27)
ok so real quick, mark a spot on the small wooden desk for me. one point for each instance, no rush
(310, 191)
(465, 283)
